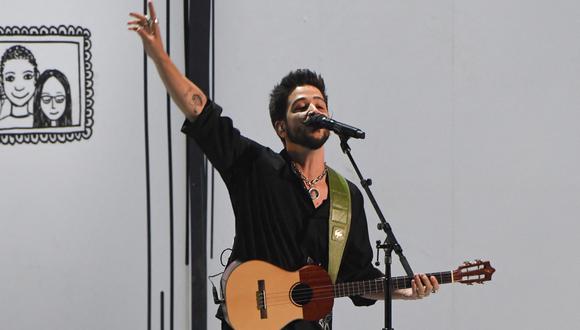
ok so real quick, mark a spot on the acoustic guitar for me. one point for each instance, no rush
(259, 295)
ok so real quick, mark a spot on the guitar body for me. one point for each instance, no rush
(259, 295)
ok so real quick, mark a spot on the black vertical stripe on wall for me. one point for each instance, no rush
(147, 180)
(212, 204)
(170, 176)
(197, 70)
(187, 208)
(162, 310)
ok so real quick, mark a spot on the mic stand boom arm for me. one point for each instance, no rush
(390, 244)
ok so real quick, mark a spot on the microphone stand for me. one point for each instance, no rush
(390, 243)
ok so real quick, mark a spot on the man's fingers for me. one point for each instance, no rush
(138, 16)
(420, 283)
(152, 13)
(415, 291)
(140, 31)
(419, 288)
(426, 283)
(435, 284)
(138, 24)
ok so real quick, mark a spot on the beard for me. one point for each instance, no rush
(301, 137)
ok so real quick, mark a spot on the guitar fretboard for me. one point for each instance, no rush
(377, 285)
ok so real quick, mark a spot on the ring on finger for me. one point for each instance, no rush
(150, 21)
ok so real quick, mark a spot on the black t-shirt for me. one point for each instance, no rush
(276, 220)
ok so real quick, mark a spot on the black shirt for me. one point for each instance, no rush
(276, 220)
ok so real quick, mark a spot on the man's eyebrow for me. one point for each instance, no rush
(304, 97)
(298, 99)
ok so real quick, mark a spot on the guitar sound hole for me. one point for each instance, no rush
(301, 294)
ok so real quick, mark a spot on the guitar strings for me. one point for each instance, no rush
(272, 301)
(328, 291)
(285, 300)
(398, 283)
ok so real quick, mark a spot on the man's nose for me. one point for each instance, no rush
(312, 109)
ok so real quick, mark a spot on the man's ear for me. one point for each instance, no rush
(280, 126)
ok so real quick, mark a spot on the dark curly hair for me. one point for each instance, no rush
(17, 53)
(280, 93)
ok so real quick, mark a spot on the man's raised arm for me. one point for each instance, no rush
(189, 98)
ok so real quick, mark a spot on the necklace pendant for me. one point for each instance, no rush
(314, 193)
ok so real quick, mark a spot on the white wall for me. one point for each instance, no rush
(471, 111)
(73, 221)
(473, 106)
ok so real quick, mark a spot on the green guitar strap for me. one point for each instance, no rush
(338, 221)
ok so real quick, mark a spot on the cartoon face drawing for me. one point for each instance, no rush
(19, 81)
(53, 99)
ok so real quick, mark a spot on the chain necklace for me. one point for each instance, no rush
(310, 184)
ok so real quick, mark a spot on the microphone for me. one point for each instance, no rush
(320, 121)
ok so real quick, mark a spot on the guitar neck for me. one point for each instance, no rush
(377, 285)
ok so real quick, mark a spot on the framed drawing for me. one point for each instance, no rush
(46, 84)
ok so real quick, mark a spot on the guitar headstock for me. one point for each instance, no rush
(477, 271)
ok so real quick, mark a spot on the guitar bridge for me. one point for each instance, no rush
(261, 299)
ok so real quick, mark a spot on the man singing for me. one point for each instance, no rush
(282, 201)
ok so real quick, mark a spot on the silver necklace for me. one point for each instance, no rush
(310, 184)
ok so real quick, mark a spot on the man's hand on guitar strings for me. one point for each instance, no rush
(421, 287)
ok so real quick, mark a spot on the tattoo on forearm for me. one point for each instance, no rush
(196, 102)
